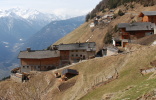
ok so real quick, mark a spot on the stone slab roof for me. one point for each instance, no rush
(138, 26)
(88, 46)
(149, 13)
(38, 54)
(70, 71)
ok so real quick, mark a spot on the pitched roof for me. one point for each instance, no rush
(123, 25)
(70, 71)
(88, 46)
(149, 13)
(138, 26)
(38, 54)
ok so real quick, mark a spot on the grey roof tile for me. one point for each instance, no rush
(89, 46)
(38, 54)
(138, 26)
(149, 13)
(70, 71)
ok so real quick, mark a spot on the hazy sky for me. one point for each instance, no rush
(70, 7)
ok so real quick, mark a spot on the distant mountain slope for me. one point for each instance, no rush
(4, 52)
(17, 25)
(97, 34)
(52, 32)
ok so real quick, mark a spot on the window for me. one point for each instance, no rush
(76, 50)
(80, 55)
(23, 66)
(27, 66)
(83, 50)
(76, 55)
(72, 55)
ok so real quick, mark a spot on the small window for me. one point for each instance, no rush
(23, 66)
(76, 55)
(38, 66)
(72, 55)
(80, 55)
(27, 66)
(44, 66)
(76, 50)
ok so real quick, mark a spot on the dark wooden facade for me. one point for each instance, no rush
(64, 57)
(148, 16)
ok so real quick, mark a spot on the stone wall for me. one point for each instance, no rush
(16, 77)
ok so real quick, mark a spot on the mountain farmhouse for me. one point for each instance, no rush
(59, 56)
(43, 60)
(132, 31)
(129, 32)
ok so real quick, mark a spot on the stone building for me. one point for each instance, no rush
(74, 52)
(43, 60)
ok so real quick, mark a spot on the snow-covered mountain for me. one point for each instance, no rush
(20, 24)
(28, 14)
(17, 25)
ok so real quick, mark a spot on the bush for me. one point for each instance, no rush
(120, 13)
(103, 11)
(131, 6)
(87, 17)
(108, 38)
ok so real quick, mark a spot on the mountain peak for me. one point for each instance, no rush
(30, 14)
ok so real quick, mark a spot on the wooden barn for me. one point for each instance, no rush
(132, 31)
(42, 60)
(148, 16)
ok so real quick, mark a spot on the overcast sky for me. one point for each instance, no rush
(69, 7)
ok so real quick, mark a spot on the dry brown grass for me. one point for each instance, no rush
(84, 32)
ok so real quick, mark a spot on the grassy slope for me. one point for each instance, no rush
(44, 85)
(129, 76)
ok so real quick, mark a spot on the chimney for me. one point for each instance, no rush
(29, 49)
